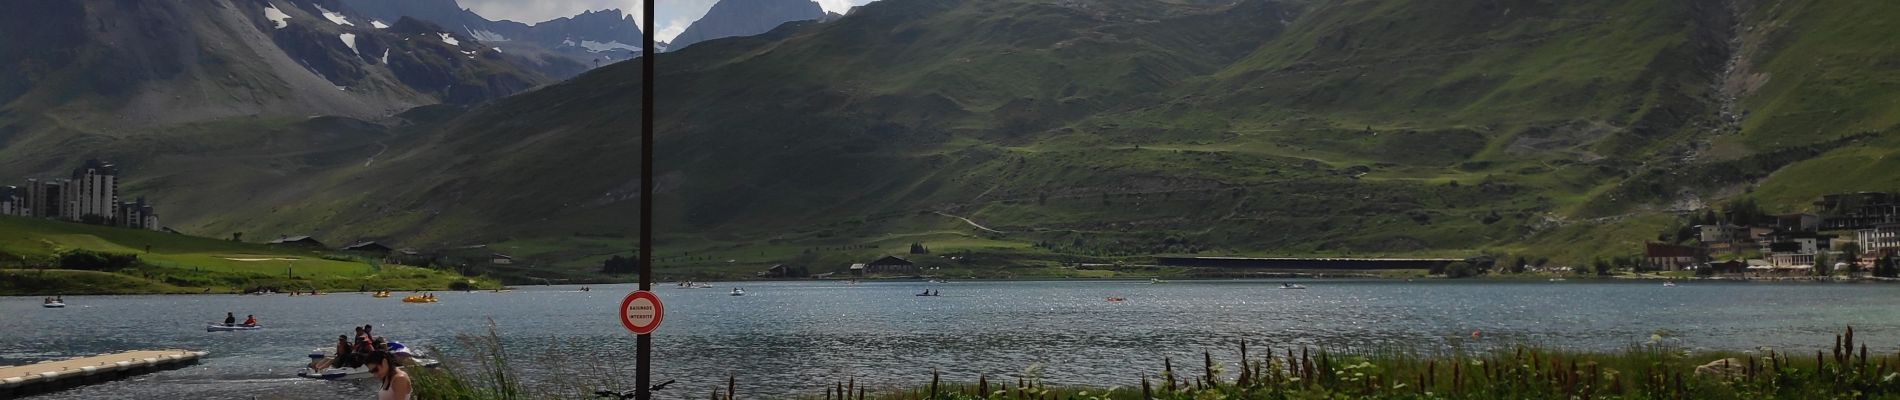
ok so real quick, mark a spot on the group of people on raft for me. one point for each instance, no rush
(379, 355)
(352, 352)
(53, 300)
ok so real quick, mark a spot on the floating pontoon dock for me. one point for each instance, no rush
(56, 375)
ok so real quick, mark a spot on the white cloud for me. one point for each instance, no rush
(840, 6)
(671, 30)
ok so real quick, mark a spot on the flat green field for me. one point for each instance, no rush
(30, 249)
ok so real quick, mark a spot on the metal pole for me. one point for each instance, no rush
(645, 342)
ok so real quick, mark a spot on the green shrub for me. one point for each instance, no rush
(96, 260)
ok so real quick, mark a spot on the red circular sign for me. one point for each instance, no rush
(641, 312)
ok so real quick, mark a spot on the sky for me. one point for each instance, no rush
(673, 15)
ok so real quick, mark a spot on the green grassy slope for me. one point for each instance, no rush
(1115, 129)
(179, 263)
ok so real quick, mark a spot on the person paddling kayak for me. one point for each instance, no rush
(230, 319)
(250, 320)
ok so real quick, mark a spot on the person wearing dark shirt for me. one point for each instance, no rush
(230, 319)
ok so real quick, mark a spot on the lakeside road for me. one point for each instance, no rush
(789, 338)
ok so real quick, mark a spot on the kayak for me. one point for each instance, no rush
(418, 299)
(54, 305)
(232, 328)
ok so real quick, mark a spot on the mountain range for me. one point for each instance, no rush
(729, 18)
(562, 47)
(1033, 132)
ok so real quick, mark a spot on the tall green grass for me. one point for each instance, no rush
(1657, 370)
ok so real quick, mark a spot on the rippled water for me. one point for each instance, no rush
(791, 338)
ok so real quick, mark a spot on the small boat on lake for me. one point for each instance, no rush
(1669, 283)
(54, 304)
(1116, 299)
(931, 293)
(738, 292)
(1155, 281)
(1291, 286)
(424, 298)
(232, 328)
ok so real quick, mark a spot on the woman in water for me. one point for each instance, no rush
(395, 382)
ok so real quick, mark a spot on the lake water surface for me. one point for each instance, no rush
(791, 338)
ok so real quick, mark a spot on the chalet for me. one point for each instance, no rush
(368, 247)
(890, 265)
(857, 269)
(297, 241)
(776, 271)
(500, 259)
(1728, 267)
(1660, 256)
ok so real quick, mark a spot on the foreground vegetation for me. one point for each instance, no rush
(1655, 370)
(41, 257)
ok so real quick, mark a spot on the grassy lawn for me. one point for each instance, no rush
(173, 263)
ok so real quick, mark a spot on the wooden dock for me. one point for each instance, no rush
(56, 375)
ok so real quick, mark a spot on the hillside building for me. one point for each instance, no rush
(1668, 257)
(1879, 238)
(94, 192)
(46, 199)
(13, 201)
(890, 264)
(91, 195)
(297, 241)
(137, 215)
(1858, 210)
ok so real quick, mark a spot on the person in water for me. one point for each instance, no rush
(230, 319)
(395, 382)
(250, 320)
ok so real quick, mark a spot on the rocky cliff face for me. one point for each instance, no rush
(730, 18)
(560, 48)
(146, 63)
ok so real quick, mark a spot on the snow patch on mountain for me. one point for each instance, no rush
(450, 39)
(333, 17)
(597, 47)
(277, 16)
(378, 24)
(484, 35)
(385, 56)
(349, 39)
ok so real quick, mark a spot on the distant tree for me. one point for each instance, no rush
(1885, 268)
(1705, 271)
(1602, 266)
(1822, 265)
(237, 236)
(1517, 265)
(97, 261)
(918, 248)
(1460, 270)
(618, 265)
(1439, 269)
(1851, 251)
